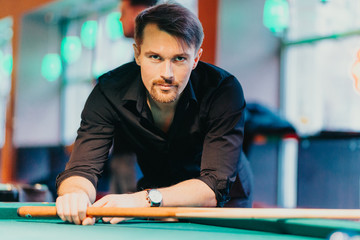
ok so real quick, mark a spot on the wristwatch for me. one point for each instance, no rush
(154, 197)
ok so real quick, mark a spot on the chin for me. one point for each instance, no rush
(164, 98)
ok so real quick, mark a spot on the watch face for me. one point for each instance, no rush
(155, 196)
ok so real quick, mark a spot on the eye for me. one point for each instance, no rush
(155, 57)
(180, 59)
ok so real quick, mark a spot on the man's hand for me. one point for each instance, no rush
(75, 195)
(122, 200)
(71, 207)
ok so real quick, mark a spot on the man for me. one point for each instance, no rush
(183, 119)
(123, 162)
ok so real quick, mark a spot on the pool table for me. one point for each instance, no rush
(14, 227)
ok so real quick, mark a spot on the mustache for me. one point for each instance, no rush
(164, 82)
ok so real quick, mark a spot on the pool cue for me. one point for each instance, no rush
(199, 213)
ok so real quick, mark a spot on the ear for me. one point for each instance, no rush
(197, 57)
(136, 53)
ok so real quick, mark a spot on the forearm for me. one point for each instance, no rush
(189, 193)
(76, 184)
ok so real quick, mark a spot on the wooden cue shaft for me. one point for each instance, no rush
(188, 212)
(37, 211)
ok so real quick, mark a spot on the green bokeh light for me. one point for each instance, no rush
(7, 64)
(114, 27)
(89, 33)
(51, 67)
(276, 15)
(70, 48)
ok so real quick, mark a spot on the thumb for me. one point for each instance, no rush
(88, 221)
(100, 203)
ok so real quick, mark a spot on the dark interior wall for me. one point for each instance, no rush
(263, 160)
(41, 165)
(329, 173)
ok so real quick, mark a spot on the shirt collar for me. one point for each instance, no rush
(135, 89)
(190, 88)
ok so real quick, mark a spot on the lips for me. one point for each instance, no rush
(165, 86)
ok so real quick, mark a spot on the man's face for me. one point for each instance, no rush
(128, 15)
(166, 63)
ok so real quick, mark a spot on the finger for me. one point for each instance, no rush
(106, 219)
(113, 220)
(117, 220)
(66, 208)
(88, 221)
(74, 209)
(82, 206)
(101, 202)
(169, 219)
(60, 208)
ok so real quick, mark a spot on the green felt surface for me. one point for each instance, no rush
(132, 230)
(14, 227)
(320, 228)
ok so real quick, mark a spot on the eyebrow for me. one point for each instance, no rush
(176, 55)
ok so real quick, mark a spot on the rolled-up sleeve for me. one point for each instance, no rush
(93, 141)
(222, 147)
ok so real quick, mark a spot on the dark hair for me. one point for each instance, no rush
(148, 3)
(174, 19)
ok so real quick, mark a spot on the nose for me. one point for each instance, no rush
(167, 72)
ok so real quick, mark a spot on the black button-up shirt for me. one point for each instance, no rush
(204, 140)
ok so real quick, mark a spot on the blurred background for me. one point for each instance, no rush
(297, 60)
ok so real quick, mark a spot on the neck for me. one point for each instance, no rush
(162, 107)
(163, 113)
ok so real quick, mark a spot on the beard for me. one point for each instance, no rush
(164, 96)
